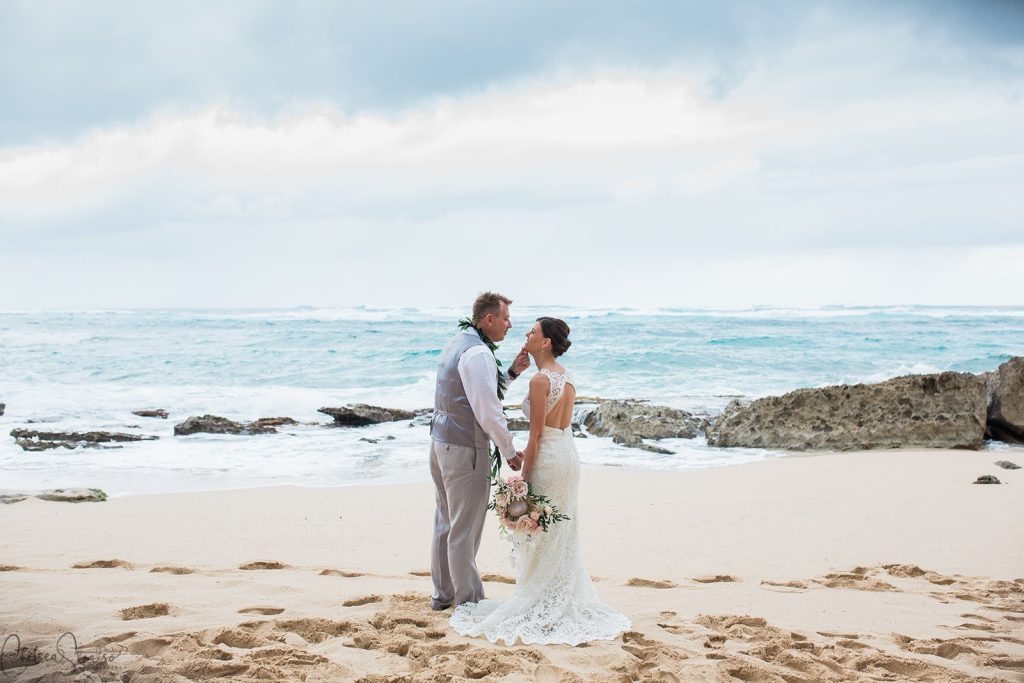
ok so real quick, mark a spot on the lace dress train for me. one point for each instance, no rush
(554, 600)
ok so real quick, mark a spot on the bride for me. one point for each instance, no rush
(554, 600)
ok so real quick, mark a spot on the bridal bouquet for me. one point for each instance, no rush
(520, 510)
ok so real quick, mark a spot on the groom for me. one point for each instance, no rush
(467, 416)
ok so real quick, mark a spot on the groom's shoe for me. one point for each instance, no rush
(438, 606)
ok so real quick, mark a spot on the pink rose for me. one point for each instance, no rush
(525, 524)
(519, 488)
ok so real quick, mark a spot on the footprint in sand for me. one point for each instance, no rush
(102, 564)
(855, 581)
(242, 639)
(716, 578)
(263, 565)
(107, 640)
(968, 615)
(834, 634)
(942, 581)
(670, 623)
(797, 586)
(969, 626)
(651, 659)
(677, 629)
(339, 572)
(947, 649)
(204, 669)
(498, 578)
(714, 641)
(311, 629)
(649, 583)
(267, 611)
(156, 609)
(912, 571)
(172, 570)
(365, 600)
(150, 647)
(909, 571)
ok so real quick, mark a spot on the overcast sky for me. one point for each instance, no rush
(383, 153)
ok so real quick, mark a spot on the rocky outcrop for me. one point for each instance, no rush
(272, 422)
(423, 417)
(214, 424)
(80, 495)
(631, 421)
(521, 424)
(518, 424)
(1006, 402)
(360, 415)
(945, 410)
(159, 412)
(388, 437)
(73, 495)
(31, 440)
(631, 440)
(3, 407)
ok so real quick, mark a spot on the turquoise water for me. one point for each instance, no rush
(90, 369)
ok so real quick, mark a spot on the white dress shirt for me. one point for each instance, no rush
(479, 374)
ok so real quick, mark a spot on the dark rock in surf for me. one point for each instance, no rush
(159, 413)
(361, 415)
(31, 440)
(1005, 419)
(214, 424)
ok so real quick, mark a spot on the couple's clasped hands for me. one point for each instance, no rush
(519, 365)
(516, 463)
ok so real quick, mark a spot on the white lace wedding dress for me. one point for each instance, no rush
(554, 600)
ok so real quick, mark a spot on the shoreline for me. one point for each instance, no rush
(874, 544)
(994, 448)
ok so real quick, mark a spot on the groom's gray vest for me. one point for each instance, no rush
(453, 421)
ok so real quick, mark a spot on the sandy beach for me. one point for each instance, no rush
(865, 566)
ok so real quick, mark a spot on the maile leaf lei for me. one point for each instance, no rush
(466, 324)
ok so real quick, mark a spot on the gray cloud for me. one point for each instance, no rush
(71, 65)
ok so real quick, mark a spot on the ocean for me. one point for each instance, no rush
(89, 369)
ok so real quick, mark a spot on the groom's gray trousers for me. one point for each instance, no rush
(461, 477)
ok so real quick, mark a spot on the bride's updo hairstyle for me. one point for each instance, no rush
(558, 332)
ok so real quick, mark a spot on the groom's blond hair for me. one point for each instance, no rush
(488, 302)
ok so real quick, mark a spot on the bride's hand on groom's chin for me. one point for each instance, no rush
(521, 362)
